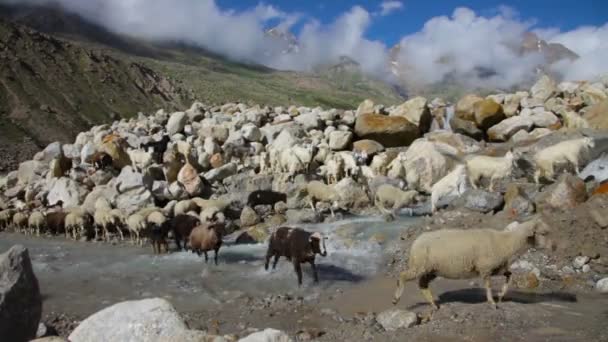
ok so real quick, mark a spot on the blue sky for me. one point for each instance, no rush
(565, 15)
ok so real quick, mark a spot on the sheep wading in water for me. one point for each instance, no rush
(465, 254)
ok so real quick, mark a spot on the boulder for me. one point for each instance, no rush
(597, 115)
(602, 285)
(309, 120)
(340, 140)
(483, 201)
(196, 112)
(189, 178)
(544, 88)
(135, 199)
(366, 107)
(129, 179)
(249, 217)
(416, 111)
(425, 165)
(466, 127)
(367, 147)
(243, 182)
(17, 191)
(222, 172)
(465, 107)
(544, 119)
(395, 319)
(66, 190)
(352, 194)
(488, 113)
(20, 300)
(103, 191)
(504, 130)
(462, 143)
(568, 192)
(285, 139)
(267, 335)
(593, 93)
(598, 169)
(517, 202)
(256, 234)
(87, 152)
(31, 170)
(251, 133)
(217, 132)
(390, 131)
(114, 148)
(512, 104)
(53, 150)
(216, 160)
(177, 122)
(152, 319)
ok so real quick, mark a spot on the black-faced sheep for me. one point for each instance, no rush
(298, 246)
(207, 237)
(158, 148)
(265, 197)
(464, 254)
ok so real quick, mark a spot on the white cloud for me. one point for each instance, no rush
(389, 6)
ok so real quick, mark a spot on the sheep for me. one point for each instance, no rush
(20, 220)
(454, 183)
(335, 168)
(569, 151)
(55, 221)
(207, 237)
(137, 224)
(76, 222)
(36, 221)
(103, 218)
(319, 191)
(464, 254)
(351, 168)
(305, 154)
(101, 160)
(491, 167)
(140, 159)
(6, 217)
(182, 207)
(394, 197)
(298, 246)
(264, 162)
(395, 168)
(380, 164)
(265, 197)
(182, 226)
(119, 221)
(290, 163)
(158, 148)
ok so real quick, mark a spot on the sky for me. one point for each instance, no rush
(437, 38)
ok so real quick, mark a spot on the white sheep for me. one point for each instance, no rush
(137, 224)
(490, 167)
(20, 221)
(119, 221)
(6, 217)
(104, 219)
(291, 163)
(569, 151)
(393, 197)
(320, 192)
(36, 221)
(464, 254)
(184, 206)
(351, 168)
(75, 223)
(453, 184)
(334, 168)
(140, 159)
(380, 164)
(264, 163)
(396, 168)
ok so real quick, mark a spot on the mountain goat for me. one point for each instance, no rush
(569, 151)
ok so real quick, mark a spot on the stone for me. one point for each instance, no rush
(461, 143)
(517, 202)
(196, 112)
(252, 235)
(152, 319)
(249, 217)
(390, 131)
(280, 207)
(222, 172)
(340, 140)
(189, 178)
(216, 160)
(602, 285)
(367, 147)
(544, 88)
(425, 165)
(395, 319)
(511, 104)
(211, 147)
(104, 191)
(285, 139)
(53, 150)
(488, 113)
(87, 152)
(544, 119)
(580, 261)
(466, 127)
(267, 335)
(504, 130)
(309, 120)
(135, 199)
(568, 192)
(71, 151)
(177, 122)
(129, 179)
(217, 132)
(251, 133)
(366, 107)
(30, 171)
(416, 111)
(352, 194)
(17, 191)
(115, 149)
(483, 201)
(67, 191)
(20, 300)
(592, 94)
(301, 216)
(465, 107)
(597, 115)
(50, 339)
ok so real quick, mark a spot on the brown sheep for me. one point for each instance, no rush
(207, 237)
(298, 246)
(55, 222)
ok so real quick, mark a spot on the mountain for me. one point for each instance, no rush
(287, 41)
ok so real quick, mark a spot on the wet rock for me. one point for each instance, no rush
(367, 147)
(395, 319)
(416, 111)
(597, 115)
(390, 131)
(602, 285)
(504, 130)
(466, 127)
(152, 319)
(177, 122)
(568, 192)
(65, 190)
(465, 107)
(302, 216)
(488, 113)
(267, 335)
(221, 172)
(249, 217)
(544, 88)
(20, 300)
(483, 201)
(340, 140)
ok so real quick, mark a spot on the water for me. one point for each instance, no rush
(85, 277)
(448, 118)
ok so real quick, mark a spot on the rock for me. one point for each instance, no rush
(189, 178)
(249, 217)
(87, 152)
(568, 192)
(466, 127)
(256, 234)
(465, 107)
(301, 216)
(222, 172)
(340, 140)
(395, 319)
(352, 194)
(218, 132)
(114, 148)
(416, 111)
(280, 207)
(135, 199)
(511, 104)
(390, 131)
(544, 119)
(425, 165)
(309, 121)
(16, 191)
(104, 191)
(483, 201)
(211, 147)
(65, 190)
(597, 168)
(461, 143)
(30, 170)
(593, 93)
(366, 107)
(367, 147)
(602, 285)
(504, 130)
(177, 122)
(267, 335)
(129, 179)
(20, 300)
(50, 339)
(517, 202)
(597, 115)
(544, 88)
(52, 151)
(580, 261)
(488, 113)
(152, 319)
(216, 160)
(251, 132)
